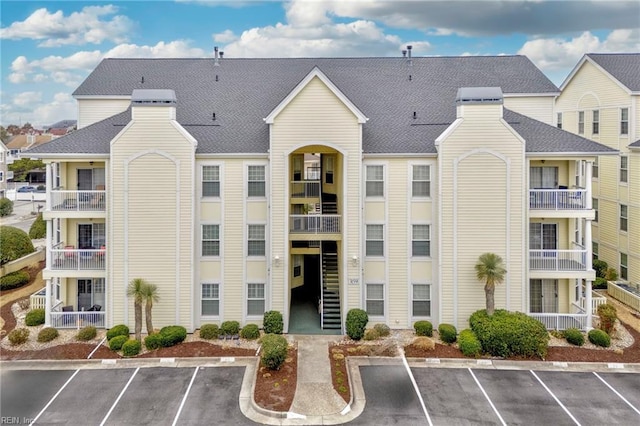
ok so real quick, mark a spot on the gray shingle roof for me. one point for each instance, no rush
(625, 67)
(636, 144)
(241, 92)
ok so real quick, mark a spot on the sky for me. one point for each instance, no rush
(47, 48)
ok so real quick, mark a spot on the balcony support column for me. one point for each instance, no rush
(589, 266)
(48, 242)
(587, 185)
(49, 186)
(47, 302)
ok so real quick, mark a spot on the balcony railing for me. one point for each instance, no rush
(558, 260)
(305, 189)
(596, 300)
(561, 321)
(77, 319)
(78, 201)
(558, 199)
(314, 224)
(38, 299)
(68, 259)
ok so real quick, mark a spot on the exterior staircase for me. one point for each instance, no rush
(330, 292)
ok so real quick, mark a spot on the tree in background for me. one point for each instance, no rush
(21, 167)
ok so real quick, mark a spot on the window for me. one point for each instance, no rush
(559, 120)
(595, 168)
(256, 242)
(256, 183)
(421, 241)
(624, 266)
(1, 176)
(297, 265)
(581, 122)
(210, 181)
(328, 176)
(255, 299)
(623, 217)
(543, 177)
(624, 121)
(544, 296)
(595, 125)
(421, 184)
(211, 240)
(375, 240)
(210, 300)
(594, 204)
(624, 168)
(375, 181)
(375, 299)
(421, 300)
(594, 249)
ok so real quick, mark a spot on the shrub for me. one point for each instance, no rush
(574, 336)
(209, 331)
(608, 315)
(600, 266)
(611, 274)
(172, 335)
(447, 333)
(116, 342)
(38, 228)
(599, 284)
(371, 334)
(14, 280)
(274, 351)
(230, 328)
(153, 341)
(117, 330)
(382, 329)
(34, 317)
(469, 343)
(356, 322)
(132, 347)
(423, 328)
(507, 334)
(599, 337)
(14, 244)
(6, 207)
(18, 336)
(425, 343)
(47, 334)
(250, 332)
(272, 322)
(87, 333)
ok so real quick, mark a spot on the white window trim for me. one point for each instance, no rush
(626, 267)
(626, 121)
(246, 242)
(385, 307)
(581, 122)
(211, 257)
(384, 181)
(220, 305)
(410, 183)
(419, 317)
(245, 304)
(594, 122)
(420, 258)
(626, 218)
(595, 203)
(559, 120)
(211, 198)
(384, 241)
(595, 165)
(626, 169)
(246, 180)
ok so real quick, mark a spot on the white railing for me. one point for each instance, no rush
(558, 260)
(305, 189)
(596, 300)
(314, 223)
(561, 321)
(558, 199)
(38, 299)
(69, 259)
(78, 201)
(625, 293)
(77, 319)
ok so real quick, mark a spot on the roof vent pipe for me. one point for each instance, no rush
(221, 54)
(404, 53)
(215, 56)
(409, 47)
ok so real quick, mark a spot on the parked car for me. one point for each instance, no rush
(26, 189)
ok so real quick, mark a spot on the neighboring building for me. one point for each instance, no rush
(19, 143)
(61, 128)
(600, 100)
(5, 160)
(245, 185)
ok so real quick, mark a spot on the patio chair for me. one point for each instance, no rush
(69, 251)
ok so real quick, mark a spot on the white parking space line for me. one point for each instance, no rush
(617, 393)
(119, 396)
(415, 387)
(54, 397)
(495, 410)
(184, 398)
(554, 397)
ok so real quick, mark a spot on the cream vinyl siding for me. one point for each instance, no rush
(483, 211)
(93, 110)
(152, 219)
(536, 107)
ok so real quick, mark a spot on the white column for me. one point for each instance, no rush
(589, 265)
(49, 241)
(588, 178)
(47, 303)
(49, 185)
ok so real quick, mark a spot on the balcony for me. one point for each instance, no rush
(561, 321)
(77, 319)
(558, 199)
(78, 201)
(558, 260)
(314, 223)
(305, 189)
(70, 259)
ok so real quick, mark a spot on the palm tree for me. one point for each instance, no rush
(149, 295)
(136, 290)
(490, 269)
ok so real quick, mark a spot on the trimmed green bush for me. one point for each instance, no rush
(600, 338)
(382, 329)
(34, 317)
(87, 333)
(230, 328)
(423, 328)
(38, 228)
(171, 335)
(209, 331)
(448, 333)
(506, 334)
(250, 332)
(600, 283)
(356, 322)
(14, 244)
(18, 336)
(117, 330)
(611, 274)
(6, 207)
(272, 322)
(600, 266)
(608, 316)
(115, 344)
(574, 336)
(274, 351)
(469, 343)
(371, 334)
(153, 342)
(14, 280)
(131, 347)
(47, 334)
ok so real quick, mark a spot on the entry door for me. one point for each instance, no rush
(91, 292)
(91, 235)
(85, 179)
(543, 236)
(544, 296)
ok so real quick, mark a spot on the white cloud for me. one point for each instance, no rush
(226, 36)
(173, 49)
(27, 98)
(29, 107)
(87, 26)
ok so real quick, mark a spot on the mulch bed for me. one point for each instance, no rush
(274, 390)
(197, 349)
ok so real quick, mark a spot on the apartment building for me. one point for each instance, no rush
(245, 185)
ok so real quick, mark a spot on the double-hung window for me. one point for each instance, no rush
(595, 124)
(255, 299)
(559, 120)
(421, 183)
(624, 121)
(594, 249)
(375, 299)
(375, 240)
(256, 240)
(595, 168)
(624, 168)
(375, 181)
(623, 217)
(581, 122)
(594, 205)
(256, 181)
(421, 241)
(421, 300)
(210, 181)
(624, 266)
(210, 300)
(211, 240)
